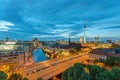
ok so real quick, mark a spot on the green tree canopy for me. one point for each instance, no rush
(39, 78)
(116, 72)
(84, 76)
(64, 75)
(3, 75)
(77, 72)
(25, 78)
(106, 75)
(70, 74)
(94, 70)
(17, 76)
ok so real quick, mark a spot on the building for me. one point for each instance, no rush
(16, 53)
(7, 46)
(84, 32)
(13, 53)
(108, 41)
(13, 57)
(81, 40)
(101, 53)
(96, 39)
(62, 42)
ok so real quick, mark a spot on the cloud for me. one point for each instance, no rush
(64, 35)
(39, 36)
(59, 18)
(5, 26)
(64, 25)
(112, 27)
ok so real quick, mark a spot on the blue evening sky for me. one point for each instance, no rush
(57, 19)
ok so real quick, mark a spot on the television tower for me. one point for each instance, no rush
(69, 40)
(84, 31)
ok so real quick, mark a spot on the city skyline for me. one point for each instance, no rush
(23, 19)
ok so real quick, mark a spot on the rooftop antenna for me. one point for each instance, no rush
(69, 40)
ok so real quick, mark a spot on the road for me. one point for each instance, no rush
(50, 68)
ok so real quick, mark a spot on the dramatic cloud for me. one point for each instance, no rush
(57, 19)
(5, 26)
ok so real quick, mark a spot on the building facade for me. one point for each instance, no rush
(100, 53)
(15, 57)
(81, 40)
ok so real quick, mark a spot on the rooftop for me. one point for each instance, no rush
(107, 51)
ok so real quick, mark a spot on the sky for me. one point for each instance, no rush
(57, 19)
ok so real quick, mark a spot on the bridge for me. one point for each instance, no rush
(48, 69)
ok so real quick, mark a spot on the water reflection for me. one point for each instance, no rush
(38, 55)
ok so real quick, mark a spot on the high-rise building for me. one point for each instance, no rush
(97, 38)
(81, 40)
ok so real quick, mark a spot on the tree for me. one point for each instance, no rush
(17, 76)
(78, 70)
(94, 71)
(84, 76)
(74, 73)
(72, 51)
(39, 78)
(64, 75)
(116, 72)
(77, 48)
(25, 78)
(112, 61)
(70, 74)
(118, 77)
(3, 76)
(60, 52)
(105, 75)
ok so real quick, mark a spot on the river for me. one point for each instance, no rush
(38, 55)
